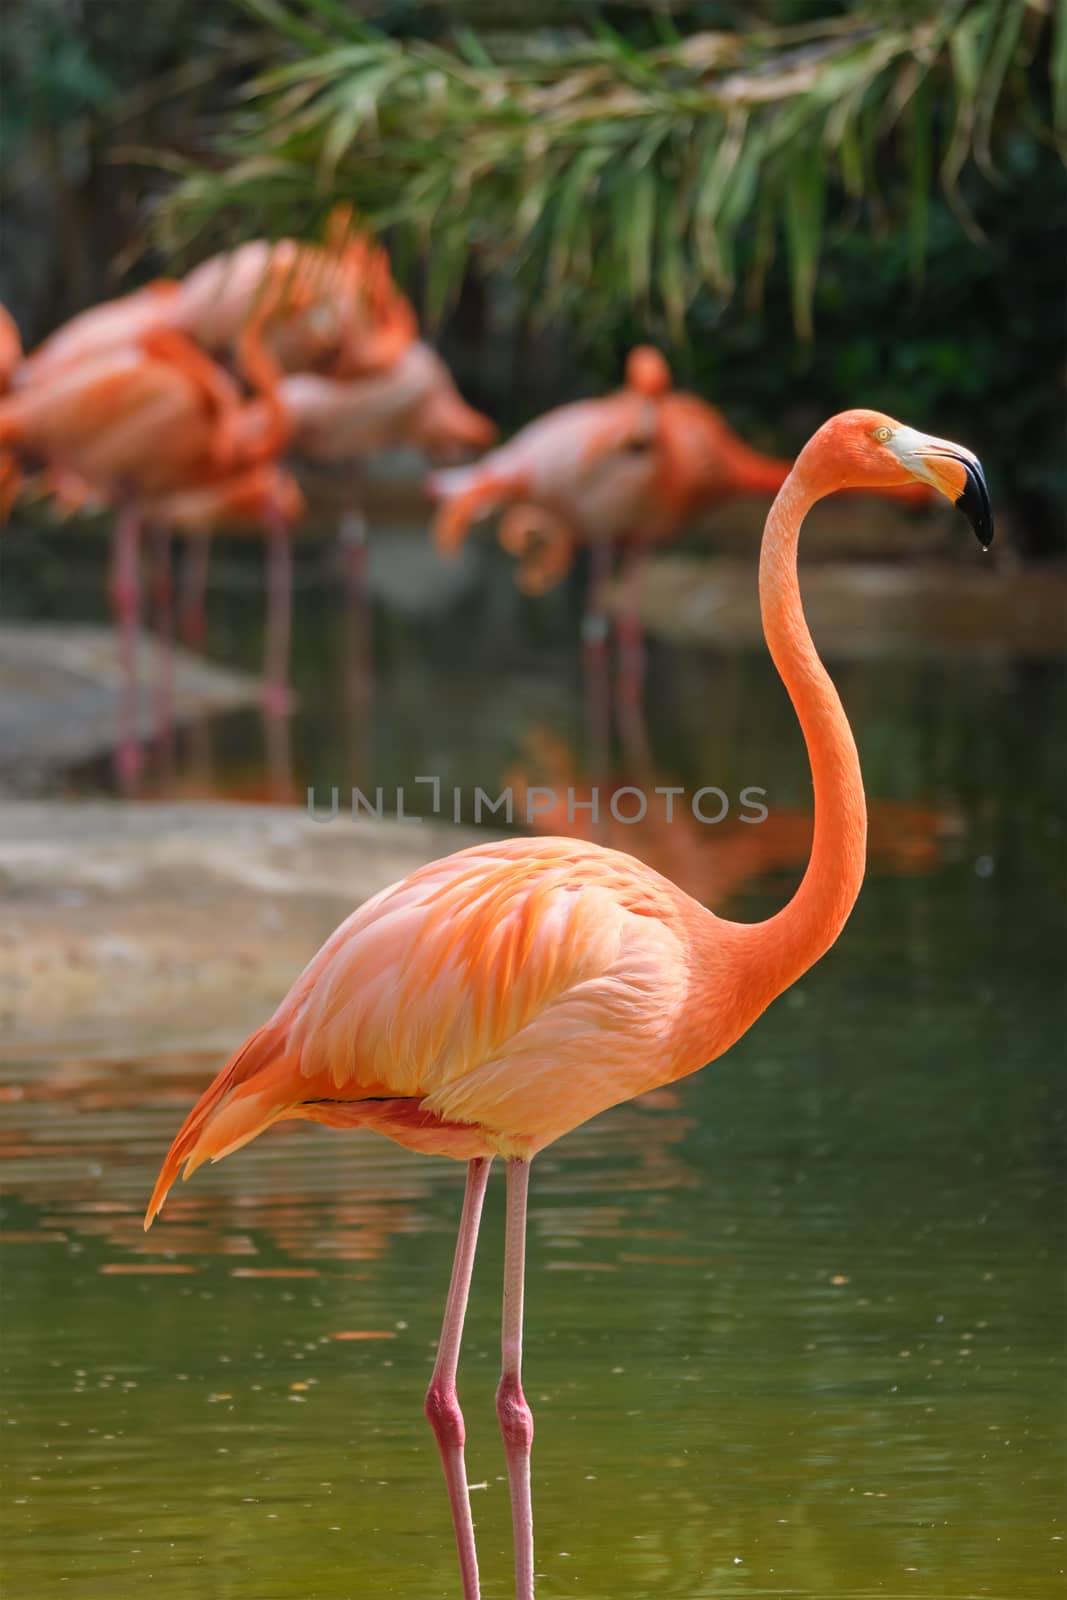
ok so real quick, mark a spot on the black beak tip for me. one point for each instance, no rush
(975, 504)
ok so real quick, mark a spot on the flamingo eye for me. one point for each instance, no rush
(883, 435)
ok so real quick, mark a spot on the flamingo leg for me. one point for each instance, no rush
(354, 552)
(276, 696)
(595, 656)
(442, 1405)
(629, 632)
(193, 622)
(595, 621)
(125, 593)
(163, 601)
(515, 1416)
(352, 537)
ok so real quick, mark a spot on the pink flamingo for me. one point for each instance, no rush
(145, 427)
(414, 402)
(10, 349)
(633, 468)
(329, 308)
(588, 470)
(494, 1000)
(101, 329)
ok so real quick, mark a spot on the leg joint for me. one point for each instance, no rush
(515, 1416)
(444, 1415)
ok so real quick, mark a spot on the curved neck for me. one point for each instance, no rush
(802, 931)
(265, 374)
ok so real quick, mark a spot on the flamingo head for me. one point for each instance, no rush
(868, 450)
(647, 372)
(449, 429)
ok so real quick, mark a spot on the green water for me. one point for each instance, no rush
(795, 1327)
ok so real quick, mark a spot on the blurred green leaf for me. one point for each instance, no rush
(578, 140)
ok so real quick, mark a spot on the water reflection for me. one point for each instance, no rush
(712, 862)
(794, 1323)
(78, 1132)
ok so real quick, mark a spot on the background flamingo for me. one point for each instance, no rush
(266, 308)
(158, 430)
(633, 469)
(590, 468)
(330, 307)
(10, 349)
(498, 998)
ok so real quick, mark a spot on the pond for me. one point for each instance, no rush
(795, 1326)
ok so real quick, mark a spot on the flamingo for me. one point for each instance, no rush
(277, 306)
(494, 1000)
(10, 362)
(330, 313)
(596, 471)
(634, 467)
(10, 349)
(331, 307)
(414, 401)
(584, 473)
(147, 416)
(157, 428)
(101, 329)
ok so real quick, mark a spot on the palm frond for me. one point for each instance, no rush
(596, 169)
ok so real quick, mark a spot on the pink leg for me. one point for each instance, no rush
(442, 1405)
(194, 591)
(352, 537)
(353, 541)
(595, 659)
(595, 621)
(125, 592)
(163, 601)
(516, 1418)
(629, 632)
(277, 700)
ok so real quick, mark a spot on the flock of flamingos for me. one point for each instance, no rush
(496, 999)
(188, 405)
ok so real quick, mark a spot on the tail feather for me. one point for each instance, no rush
(241, 1102)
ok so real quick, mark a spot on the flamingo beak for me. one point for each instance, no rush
(953, 471)
(975, 505)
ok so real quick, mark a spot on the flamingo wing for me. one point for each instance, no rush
(521, 987)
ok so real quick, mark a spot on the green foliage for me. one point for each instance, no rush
(597, 168)
(975, 352)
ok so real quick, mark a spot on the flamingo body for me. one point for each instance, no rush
(589, 463)
(10, 349)
(102, 329)
(637, 464)
(329, 308)
(152, 415)
(414, 402)
(507, 993)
